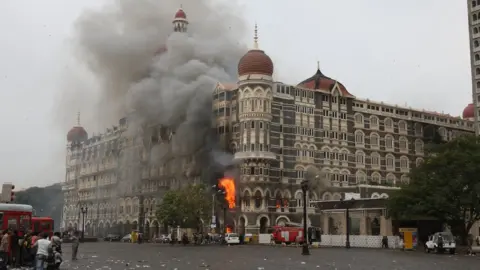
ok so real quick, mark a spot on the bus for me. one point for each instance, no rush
(16, 217)
(43, 224)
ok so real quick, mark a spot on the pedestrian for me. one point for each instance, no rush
(4, 249)
(42, 245)
(15, 249)
(75, 244)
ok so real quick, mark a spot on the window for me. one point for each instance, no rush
(389, 142)
(391, 179)
(360, 158)
(388, 123)
(374, 140)
(376, 177)
(402, 127)
(12, 222)
(418, 146)
(404, 179)
(359, 138)
(404, 162)
(374, 122)
(403, 144)
(361, 177)
(375, 160)
(419, 161)
(390, 162)
(358, 119)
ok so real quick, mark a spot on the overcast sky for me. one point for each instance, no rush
(402, 52)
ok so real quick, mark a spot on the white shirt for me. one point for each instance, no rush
(42, 245)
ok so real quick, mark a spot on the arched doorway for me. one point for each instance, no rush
(75, 227)
(127, 227)
(101, 230)
(375, 226)
(282, 221)
(107, 228)
(156, 227)
(264, 225)
(243, 224)
(147, 230)
(88, 228)
(135, 225)
(120, 227)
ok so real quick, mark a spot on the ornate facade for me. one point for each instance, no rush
(277, 131)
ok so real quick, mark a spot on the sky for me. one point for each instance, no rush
(413, 53)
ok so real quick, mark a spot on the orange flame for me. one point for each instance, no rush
(228, 184)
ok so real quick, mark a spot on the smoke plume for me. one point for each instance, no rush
(119, 43)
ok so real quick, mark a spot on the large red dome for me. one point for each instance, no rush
(77, 134)
(255, 62)
(180, 14)
(469, 111)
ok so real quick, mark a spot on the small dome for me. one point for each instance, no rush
(77, 134)
(180, 14)
(322, 82)
(255, 62)
(469, 111)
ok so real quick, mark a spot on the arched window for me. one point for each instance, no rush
(402, 126)
(403, 143)
(374, 140)
(389, 142)
(418, 162)
(359, 137)
(388, 123)
(404, 179)
(391, 179)
(359, 120)
(390, 162)
(477, 57)
(258, 199)
(375, 160)
(360, 158)
(418, 146)
(361, 177)
(374, 122)
(376, 177)
(404, 163)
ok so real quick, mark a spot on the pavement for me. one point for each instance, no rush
(113, 256)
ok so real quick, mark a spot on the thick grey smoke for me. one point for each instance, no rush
(118, 44)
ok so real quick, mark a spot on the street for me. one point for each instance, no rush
(113, 256)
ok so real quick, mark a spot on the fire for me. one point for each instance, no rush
(229, 230)
(228, 184)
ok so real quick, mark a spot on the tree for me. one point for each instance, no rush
(446, 187)
(185, 207)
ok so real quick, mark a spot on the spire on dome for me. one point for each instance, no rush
(318, 65)
(255, 38)
(78, 118)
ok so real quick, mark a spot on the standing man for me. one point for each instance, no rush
(4, 245)
(42, 245)
(75, 244)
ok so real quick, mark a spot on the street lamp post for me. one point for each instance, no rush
(305, 250)
(347, 204)
(84, 213)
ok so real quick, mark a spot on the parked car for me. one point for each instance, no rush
(441, 242)
(112, 238)
(232, 239)
(126, 238)
(162, 239)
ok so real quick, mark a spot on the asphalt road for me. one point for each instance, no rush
(113, 256)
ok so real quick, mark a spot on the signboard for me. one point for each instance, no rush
(409, 236)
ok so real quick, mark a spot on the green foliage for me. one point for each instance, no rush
(446, 186)
(185, 207)
(47, 201)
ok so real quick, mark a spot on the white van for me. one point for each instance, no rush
(448, 240)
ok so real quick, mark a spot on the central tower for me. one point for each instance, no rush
(255, 70)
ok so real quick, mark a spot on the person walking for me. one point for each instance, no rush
(75, 245)
(42, 245)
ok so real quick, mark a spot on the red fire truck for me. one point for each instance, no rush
(16, 216)
(43, 224)
(288, 234)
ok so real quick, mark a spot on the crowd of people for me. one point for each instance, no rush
(33, 249)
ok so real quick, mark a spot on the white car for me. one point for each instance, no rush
(232, 238)
(126, 238)
(449, 244)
